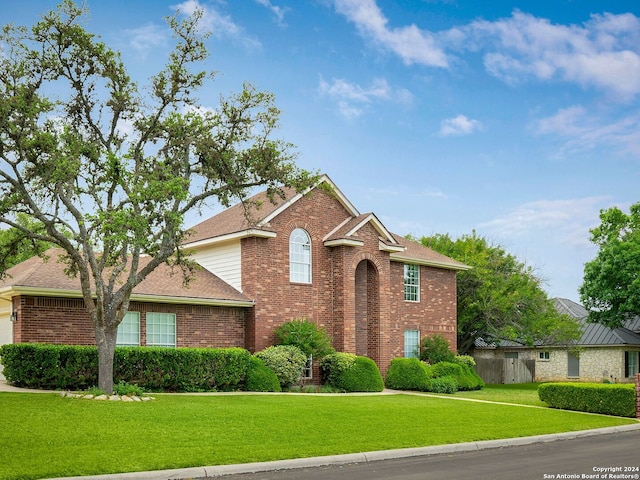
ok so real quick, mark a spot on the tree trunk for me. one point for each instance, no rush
(106, 342)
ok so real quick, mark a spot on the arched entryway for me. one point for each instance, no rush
(367, 318)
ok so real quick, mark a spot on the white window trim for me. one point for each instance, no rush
(416, 285)
(125, 321)
(295, 276)
(416, 352)
(307, 372)
(544, 356)
(174, 333)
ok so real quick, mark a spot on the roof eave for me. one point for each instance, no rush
(250, 232)
(346, 242)
(8, 292)
(429, 263)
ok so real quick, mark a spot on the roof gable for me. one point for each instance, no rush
(253, 217)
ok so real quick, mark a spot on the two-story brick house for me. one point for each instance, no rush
(311, 255)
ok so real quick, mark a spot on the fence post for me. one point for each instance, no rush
(638, 396)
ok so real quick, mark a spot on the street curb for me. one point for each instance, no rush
(222, 470)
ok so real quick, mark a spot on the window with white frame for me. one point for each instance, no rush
(544, 356)
(411, 343)
(300, 256)
(631, 363)
(161, 329)
(411, 282)
(129, 330)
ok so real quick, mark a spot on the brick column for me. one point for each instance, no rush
(638, 396)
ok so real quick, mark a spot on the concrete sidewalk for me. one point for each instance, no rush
(195, 473)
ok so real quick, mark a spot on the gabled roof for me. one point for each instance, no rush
(570, 308)
(232, 224)
(417, 253)
(46, 277)
(235, 223)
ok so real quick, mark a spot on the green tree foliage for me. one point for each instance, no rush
(307, 336)
(611, 285)
(500, 298)
(110, 170)
(16, 245)
(436, 349)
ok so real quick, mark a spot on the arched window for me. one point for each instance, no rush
(300, 256)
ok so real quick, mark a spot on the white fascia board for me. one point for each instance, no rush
(323, 179)
(428, 263)
(343, 242)
(377, 224)
(251, 232)
(52, 292)
(383, 247)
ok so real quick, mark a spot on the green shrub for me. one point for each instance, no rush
(261, 378)
(72, 367)
(467, 360)
(466, 377)
(286, 361)
(349, 373)
(608, 399)
(307, 336)
(124, 388)
(50, 367)
(446, 384)
(435, 349)
(182, 369)
(407, 374)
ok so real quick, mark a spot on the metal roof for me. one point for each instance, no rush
(593, 334)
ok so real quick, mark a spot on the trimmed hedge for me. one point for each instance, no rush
(443, 377)
(465, 376)
(286, 361)
(350, 373)
(261, 378)
(72, 367)
(608, 399)
(408, 374)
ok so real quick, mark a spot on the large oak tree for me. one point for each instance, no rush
(611, 285)
(107, 170)
(501, 298)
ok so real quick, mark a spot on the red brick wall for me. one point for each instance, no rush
(352, 302)
(65, 321)
(436, 312)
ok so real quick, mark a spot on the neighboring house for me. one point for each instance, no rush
(311, 256)
(601, 354)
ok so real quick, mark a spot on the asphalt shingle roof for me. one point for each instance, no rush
(164, 281)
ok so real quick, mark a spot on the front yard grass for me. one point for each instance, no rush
(520, 393)
(46, 435)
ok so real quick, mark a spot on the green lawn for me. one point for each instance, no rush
(520, 393)
(46, 435)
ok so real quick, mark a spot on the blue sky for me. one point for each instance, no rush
(519, 120)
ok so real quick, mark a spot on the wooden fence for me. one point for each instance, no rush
(506, 370)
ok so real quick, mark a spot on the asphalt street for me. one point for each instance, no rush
(611, 456)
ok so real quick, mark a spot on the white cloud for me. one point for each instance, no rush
(279, 12)
(603, 52)
(145, 38)
(410, 43)
(460, 125)
(352, 99)
(585, 131)
(567, 221)
(218, 24)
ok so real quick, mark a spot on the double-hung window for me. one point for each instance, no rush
(129, 330)
(631, 363)
(411, 282)
(161, 329)
(411, 344)
(300, 256)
